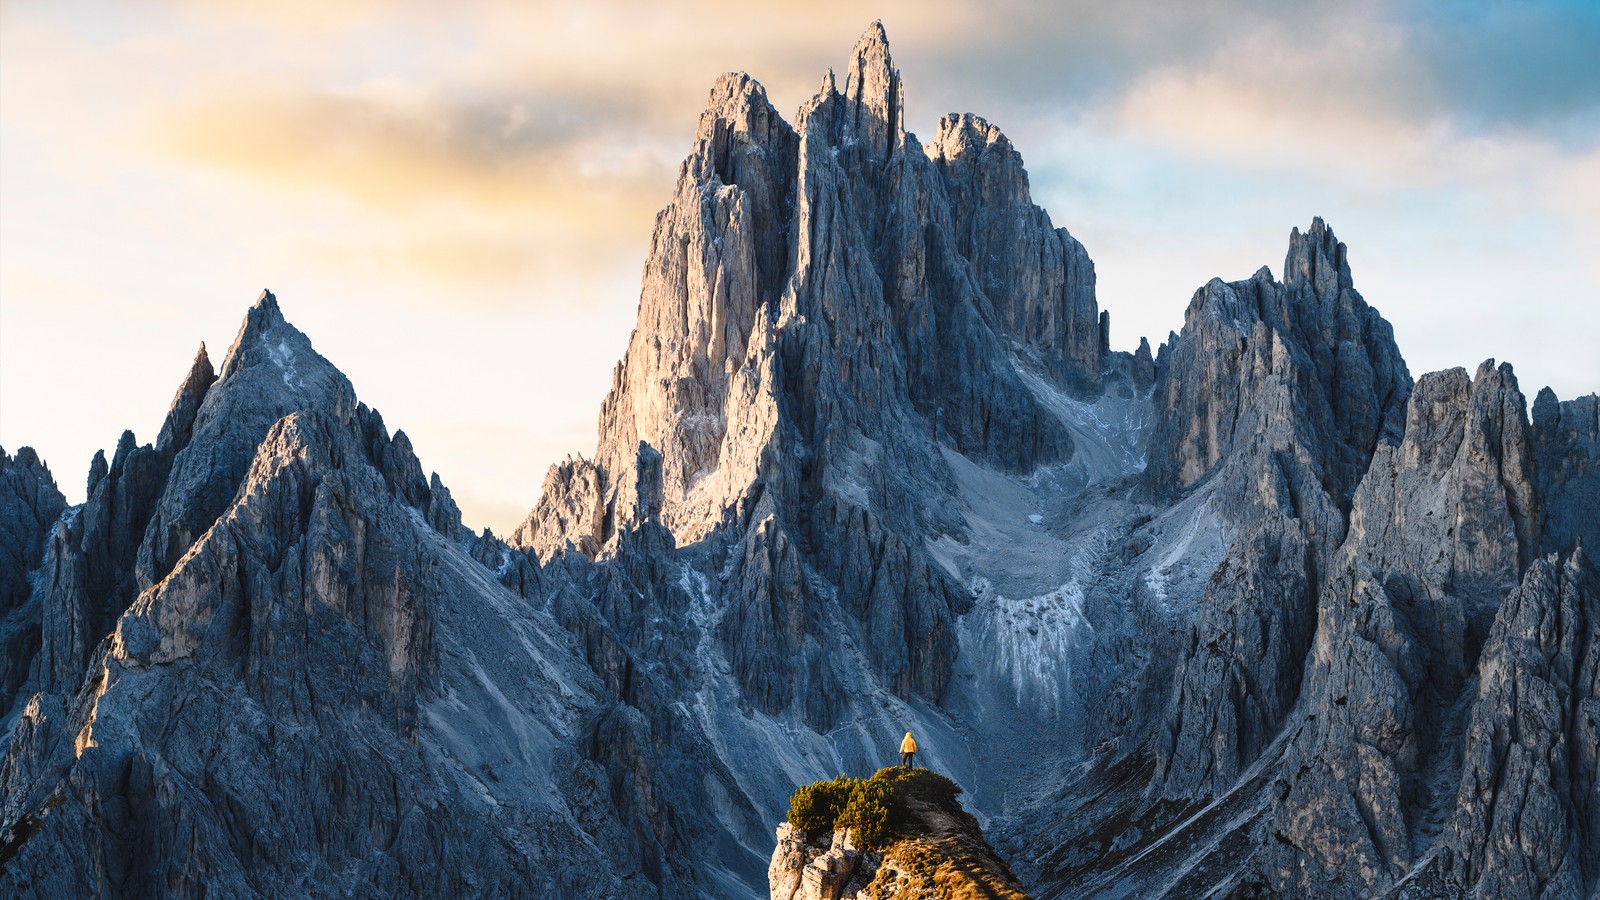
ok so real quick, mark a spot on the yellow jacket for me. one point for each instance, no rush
(909, 745)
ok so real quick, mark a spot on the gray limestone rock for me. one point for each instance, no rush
(1524, 823)
(1440, 530)
(30, 505)
(89, 575)
(1038, 278)
(1566, 448)
(1351, 382)
(1242, 405)
(811, 328)
(270, 371)
(320, 658)
(1246, 615)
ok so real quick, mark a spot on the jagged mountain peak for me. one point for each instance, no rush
(282, 354)
(733, 96)
(821, 277)
(1345, 369)
(964, 134)
(270, 371)
(874, 96)
(176, 430)
(870, 62)
(741, 139)
(1318, 258)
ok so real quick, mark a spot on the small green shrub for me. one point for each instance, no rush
(815, 807)
(924, 784)
(873, 814)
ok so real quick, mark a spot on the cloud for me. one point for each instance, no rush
(486, 174)
(458, 188)
(1500, 65)
(398, 149)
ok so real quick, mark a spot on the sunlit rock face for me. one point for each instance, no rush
(824, 306)
(1250, 614)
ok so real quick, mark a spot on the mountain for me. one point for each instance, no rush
(1256, 613)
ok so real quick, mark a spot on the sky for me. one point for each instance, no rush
(454, 201)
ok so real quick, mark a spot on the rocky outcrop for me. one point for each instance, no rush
(1524, 823)
(937, 851)
(1351, 383)
(1246, 401)
(89, 576)
(30, 504)
(1440, 529)
(1039, 279)
(1566, 449)
(802, 871)
(720, 255)
(1240, 672)
(570, 514)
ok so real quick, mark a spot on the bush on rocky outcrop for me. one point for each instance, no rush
(874, 813)
(874, 809)
(815, 807)
(924, 784)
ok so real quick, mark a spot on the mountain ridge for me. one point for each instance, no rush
(1251, 613)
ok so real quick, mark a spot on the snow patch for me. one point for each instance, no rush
(283, 358)
(1031, 643)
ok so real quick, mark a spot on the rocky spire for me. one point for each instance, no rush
(1318, 259)
(30, 506)
(1038, 279)
(179, 424)
(1350, 379)
(271, 370)
(720, 255)
(874, 96)
(1566, 440)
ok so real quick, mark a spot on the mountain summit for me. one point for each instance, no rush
(1252, 614)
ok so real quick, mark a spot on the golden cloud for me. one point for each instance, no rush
(397, 152)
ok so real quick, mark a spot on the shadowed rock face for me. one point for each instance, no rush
(1566, 449)
(1349, 382)
(1252, 614)
(1253, 401)
(1524, 819)
(29, 507)
(89, 574)
(1439, 531)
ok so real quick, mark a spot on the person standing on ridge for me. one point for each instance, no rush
(908, 752)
